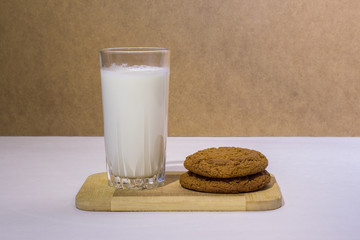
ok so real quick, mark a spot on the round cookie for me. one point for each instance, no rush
(249, 183)
(226, 162)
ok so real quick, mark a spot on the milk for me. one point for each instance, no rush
(135, 119)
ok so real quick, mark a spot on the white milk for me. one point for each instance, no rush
(135, 119)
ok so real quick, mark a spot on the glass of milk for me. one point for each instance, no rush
(135, 89)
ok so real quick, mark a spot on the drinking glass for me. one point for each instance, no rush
(135, 89)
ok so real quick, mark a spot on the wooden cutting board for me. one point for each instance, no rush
(96, 195)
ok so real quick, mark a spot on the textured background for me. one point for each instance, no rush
(238, 68)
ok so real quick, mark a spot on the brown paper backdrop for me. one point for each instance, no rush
(238, 68)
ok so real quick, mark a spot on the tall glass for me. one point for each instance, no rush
(135, 89)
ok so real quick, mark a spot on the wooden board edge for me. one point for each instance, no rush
(91, 187)
(273, 203)
(169, 203)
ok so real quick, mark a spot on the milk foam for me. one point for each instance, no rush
(134, 68)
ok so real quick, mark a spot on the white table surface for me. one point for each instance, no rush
(40, 176)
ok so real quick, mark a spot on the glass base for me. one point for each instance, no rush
(137, 183)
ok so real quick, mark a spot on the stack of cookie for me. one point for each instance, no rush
(225, 170)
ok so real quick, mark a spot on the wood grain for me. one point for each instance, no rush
(96, 195)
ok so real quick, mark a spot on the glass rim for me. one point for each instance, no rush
(134, 50)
